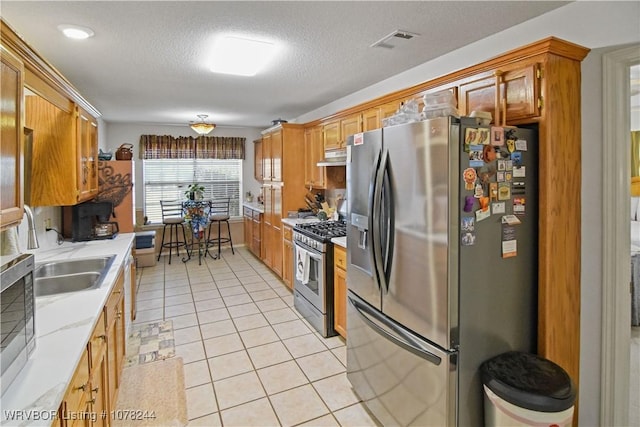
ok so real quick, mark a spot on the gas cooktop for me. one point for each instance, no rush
(323, 230)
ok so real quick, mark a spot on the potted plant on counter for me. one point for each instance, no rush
(195, 191)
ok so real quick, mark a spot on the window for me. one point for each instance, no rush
(168, 179)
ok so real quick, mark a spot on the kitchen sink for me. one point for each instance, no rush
(58, 277)
(59, 268)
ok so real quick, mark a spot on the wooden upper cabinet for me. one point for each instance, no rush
(331, 135)
(87, 146)
(276, 156)
(64, 167)
(266, 157)
(315, 176)
(519, 93)
(348, 127)
(372, 118)
(257, 161)
(272, 156)
(11, 138)
(337, 131)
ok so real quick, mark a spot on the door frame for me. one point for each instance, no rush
(616, 273)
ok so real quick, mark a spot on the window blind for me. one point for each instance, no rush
(168, 179)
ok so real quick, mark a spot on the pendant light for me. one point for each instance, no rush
(202, 127)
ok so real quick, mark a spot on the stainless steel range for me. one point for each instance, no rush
(313, 272)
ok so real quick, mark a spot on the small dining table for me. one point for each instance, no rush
(196, 213)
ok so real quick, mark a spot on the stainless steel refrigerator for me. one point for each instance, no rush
(441, 264)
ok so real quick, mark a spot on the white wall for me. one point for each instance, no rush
(591, 24)
(129, 133)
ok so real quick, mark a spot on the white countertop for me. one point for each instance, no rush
(291, 222)
(254, 206)
(340, 241)
(64, 323)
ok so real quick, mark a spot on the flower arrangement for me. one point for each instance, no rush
(248, 196)
(197, 215)
(195, 191)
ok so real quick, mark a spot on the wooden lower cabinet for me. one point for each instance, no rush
(74, 404)
(287, 256)
(253, 230)
(92, 393)
(340, 290)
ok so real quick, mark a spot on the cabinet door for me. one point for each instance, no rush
(257, 161)
(11, 138)
(268, 204)
(371, 119)
(340, 301)
(287, 256)
(87, 147)
(99, 395)
(276, 156)
(315, 176)
(331, 135)
(75, 398)
(276, 245)
(519, 92)
(266, 158)
(256, 245)
(319, 173)
(348, 127)
(248, 231)
(308, 158)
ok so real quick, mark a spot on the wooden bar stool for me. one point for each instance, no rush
(172, 217)
(219, 214)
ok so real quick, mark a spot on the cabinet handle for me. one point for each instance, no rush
(95, 390)
(83, 387)
(92, 401)
(102, 337)
(119, 314)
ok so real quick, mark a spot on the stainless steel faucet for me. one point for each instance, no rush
(32, 237)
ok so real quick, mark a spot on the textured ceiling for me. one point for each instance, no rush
(148, 61)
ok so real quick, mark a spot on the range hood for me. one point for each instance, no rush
(334, 158)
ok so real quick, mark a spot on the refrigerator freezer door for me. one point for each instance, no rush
(363, 161)
(402, 379)
(418, 295)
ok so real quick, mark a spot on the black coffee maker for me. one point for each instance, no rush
(91, 221)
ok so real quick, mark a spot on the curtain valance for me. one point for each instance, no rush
(188, 147)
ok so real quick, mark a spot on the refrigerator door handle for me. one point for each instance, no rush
(392, 332)
(388, 221)
(376, 214)
(373, 192)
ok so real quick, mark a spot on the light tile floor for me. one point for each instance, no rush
(250, 360)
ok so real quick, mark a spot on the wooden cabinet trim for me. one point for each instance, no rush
(12, 140)
(39, 69)
(549, 45)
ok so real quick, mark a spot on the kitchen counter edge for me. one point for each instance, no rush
(64, 324)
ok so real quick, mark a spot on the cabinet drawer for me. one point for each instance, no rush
(286, 233)
(340, 257)
(76, 392)
(256, 216)
(112, 303)
(97, 341)
(247, 212)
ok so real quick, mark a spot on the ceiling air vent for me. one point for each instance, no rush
(394, 39)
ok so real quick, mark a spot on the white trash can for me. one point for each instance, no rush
(522, 389)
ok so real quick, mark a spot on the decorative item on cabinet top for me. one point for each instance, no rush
(124, 152)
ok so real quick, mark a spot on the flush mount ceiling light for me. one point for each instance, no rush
(392, 40)
(241, 57)
(202, 127)
(76, 31)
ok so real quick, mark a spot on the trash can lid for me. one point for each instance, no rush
(529, 381)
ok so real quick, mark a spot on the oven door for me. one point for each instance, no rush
(313, 290)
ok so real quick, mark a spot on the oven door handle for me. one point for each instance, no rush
(312, 254)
